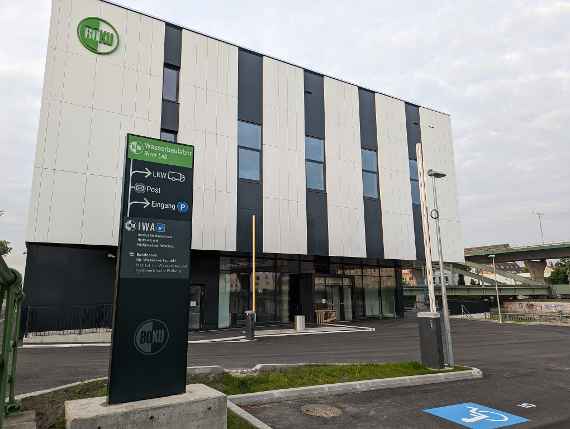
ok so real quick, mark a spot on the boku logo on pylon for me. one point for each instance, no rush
(98, 35)
(151, 337)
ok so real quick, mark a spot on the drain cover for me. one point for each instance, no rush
(321, 410)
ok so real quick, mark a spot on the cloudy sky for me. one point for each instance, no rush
(500, 68)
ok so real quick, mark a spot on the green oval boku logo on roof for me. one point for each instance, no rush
(98, 35)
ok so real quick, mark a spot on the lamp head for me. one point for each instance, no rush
(436, 174)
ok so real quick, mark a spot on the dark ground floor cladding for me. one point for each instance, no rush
(71, 287)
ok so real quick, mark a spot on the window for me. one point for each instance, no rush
(369, 160)
(370, 173)
(314, 149)
(414, 169)
(168, 136)
(315, 163)
(414, 181)
(249, 151)
(370, 184)
(416, 192)
(249, 135)
(170, 84)
(248, 164)
(315, 175)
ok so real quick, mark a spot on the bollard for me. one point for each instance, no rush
(431, 343)
(299, 323)
(250, 325)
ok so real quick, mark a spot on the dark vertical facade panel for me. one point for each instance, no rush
(367, 112)
(418, 232)
(413, 128)
(372, 207)
(373, 228)
(317, 223)
(414, 137)
(316, 201)
(169, 116)
(172, 45)
(250, 87)
(249, 204)
(172, 55)
(205, 273)
(314, 105)
(250, 193)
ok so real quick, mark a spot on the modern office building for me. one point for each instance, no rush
(328, 168)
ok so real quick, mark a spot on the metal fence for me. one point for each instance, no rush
(79, 319)
(558, 317)
(11, 297)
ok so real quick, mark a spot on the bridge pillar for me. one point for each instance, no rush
(536, 269)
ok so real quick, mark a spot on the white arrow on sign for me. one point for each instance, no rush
(146, 203)
(146, 172)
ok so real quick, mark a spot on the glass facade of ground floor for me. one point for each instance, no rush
(288, 286)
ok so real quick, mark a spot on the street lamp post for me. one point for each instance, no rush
(497, 288)
(446, 324)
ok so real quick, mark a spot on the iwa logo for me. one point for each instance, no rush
(98, 35)
(151, 337)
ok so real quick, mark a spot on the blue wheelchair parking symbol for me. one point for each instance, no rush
(476, 416)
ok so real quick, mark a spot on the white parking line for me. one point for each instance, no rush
(331, 329)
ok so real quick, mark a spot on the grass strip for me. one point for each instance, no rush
(50, 410)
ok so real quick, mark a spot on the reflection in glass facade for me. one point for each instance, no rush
(286, 285)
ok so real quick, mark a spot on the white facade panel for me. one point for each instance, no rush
(208, 120)
(100, 211)
(345, 207)
(89, 104)
(438, 155)
(394, 177)
(284, 198)
(66, 207)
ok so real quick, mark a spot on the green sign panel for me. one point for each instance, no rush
(160, 152)
(98, 35)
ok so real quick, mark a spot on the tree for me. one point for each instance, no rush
(560, 272)
(4, 247)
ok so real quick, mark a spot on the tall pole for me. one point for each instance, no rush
(446, 324)
(497, 288)
(425, 225)
(253, 262)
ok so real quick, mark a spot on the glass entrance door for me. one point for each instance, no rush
(195, 310)
(334, 293)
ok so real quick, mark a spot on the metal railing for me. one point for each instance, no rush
(11, 296)
(554, 317)
(73, 320)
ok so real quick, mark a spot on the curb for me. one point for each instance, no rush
(251, 419)
(55, 389)
(352, 387)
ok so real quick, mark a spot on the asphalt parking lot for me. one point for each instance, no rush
(522, 364)
(527, 374)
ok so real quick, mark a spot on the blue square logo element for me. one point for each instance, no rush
(476, 416)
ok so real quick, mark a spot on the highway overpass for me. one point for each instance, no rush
(545, 291)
